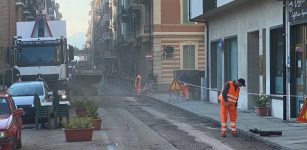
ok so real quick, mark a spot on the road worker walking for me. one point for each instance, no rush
(228, 105)
(184, 86)
(137, 83)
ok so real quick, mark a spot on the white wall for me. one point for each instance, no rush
(277, 108)
(254, 15)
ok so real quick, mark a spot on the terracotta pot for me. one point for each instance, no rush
(96, 123)
(80, 112)
(79, 134)
(261, 111)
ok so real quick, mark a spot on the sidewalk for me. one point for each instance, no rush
(294, 135)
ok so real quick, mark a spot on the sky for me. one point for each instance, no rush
(198, 9)
(76, 14)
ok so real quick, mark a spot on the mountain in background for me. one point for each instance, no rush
(77, 40)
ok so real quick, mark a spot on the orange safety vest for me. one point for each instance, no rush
(232, 95)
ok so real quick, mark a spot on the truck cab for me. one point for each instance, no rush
(40, 51)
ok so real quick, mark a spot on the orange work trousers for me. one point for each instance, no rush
(185, 91)
(138, 88)
(224, 111)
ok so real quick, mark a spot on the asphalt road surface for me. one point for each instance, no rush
(139, 123)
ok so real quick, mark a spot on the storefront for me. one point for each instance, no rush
(298, 55)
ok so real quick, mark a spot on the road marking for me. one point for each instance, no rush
(131, 99)
(199, 135)
(109, 145)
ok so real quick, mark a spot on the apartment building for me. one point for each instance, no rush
(155, 37)
(246, 39)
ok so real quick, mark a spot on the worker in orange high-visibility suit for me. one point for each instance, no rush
(228, 105)
(184, 86)
(137, 83)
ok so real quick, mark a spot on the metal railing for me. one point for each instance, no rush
(20, 3)
(143, 31)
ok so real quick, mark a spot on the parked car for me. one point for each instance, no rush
(10, 123)
(23, 95)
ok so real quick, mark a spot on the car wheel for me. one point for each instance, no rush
(19, 142)
(14, 147)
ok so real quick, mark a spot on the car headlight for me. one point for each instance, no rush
(61, 92)
(63, 96)
(2, 134)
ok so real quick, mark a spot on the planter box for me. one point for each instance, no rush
(96, 123)
(79, 134)
(261, 111)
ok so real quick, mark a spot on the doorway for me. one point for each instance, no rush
(298, 75)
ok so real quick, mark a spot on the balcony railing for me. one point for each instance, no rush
(26, 12)
(20, 3)
(109, 54)
(30, 8)
(139, 1)
(143, 31)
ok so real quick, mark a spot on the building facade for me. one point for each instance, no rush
(155, 37)
(246, 39)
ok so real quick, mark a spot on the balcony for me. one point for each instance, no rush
(143, 31)
(139, 1)
(106, 1)
(30, 10)
(30, 18)
(109, 54)
(122, 40)
(20, 3)
(26, 12)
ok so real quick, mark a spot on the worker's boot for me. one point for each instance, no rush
(223, 134)
(234, 133)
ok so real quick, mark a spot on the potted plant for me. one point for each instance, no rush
(81, 107)
(261, 104)
(96, 119)
(78, 129)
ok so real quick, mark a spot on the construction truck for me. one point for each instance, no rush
(40, 52)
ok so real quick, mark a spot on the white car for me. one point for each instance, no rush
(23, 95)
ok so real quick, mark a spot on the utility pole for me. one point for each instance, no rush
(286, 61)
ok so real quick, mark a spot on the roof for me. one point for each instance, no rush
(218, 10)
(30, 82)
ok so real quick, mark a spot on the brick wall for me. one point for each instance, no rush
(7, 24)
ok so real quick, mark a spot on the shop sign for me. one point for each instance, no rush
(297, 10)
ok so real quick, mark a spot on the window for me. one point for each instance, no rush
(185, 12)
(4, 107)
(189, 57)
(26, 89)
(276, 61)
(231, 59)
(40, 55)
(216, 65)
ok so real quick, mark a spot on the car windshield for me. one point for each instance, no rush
(20, 89)
(4, 107)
